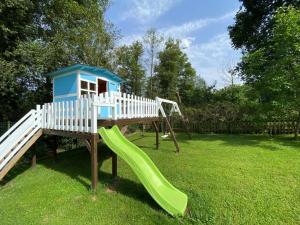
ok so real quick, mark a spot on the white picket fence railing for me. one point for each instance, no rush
(126, 106)
(82, 114)
(78, 115)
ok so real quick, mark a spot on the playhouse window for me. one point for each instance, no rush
(87, 88)
(92, 87)
(84, 85)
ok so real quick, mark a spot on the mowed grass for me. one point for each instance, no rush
(229, 179)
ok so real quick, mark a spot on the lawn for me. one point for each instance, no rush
(230, 179)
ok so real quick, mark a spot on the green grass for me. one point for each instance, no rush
(230, 179)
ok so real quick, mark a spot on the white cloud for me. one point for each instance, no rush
(148, 10)
(189, 27)
(129, 39)
(186, 42)
(210, 58)
(181, 31)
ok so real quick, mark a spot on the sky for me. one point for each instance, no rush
(201, 25)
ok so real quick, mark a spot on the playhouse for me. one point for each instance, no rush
(71, 83)
(88, 105)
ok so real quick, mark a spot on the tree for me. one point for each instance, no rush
(174, 72)
(274, 69)
(16, 24)
(254, 22)
(203, 93)
(41, 36)
(152, 41)
(186, 81)
(129, 67)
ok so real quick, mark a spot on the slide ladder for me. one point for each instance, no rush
(18, 139)
(162, 191)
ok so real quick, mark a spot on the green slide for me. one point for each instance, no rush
(165, 194)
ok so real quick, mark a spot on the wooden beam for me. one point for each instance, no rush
(54, 148)
(123, 122)
(33, 161)
(71, 134)
(20, 153)
(157, 134)
(94, 161)
(114, 165)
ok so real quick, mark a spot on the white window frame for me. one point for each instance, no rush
(89, 92)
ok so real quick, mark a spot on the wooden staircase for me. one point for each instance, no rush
(18, 139)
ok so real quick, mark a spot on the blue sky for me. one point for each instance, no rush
(201, 25)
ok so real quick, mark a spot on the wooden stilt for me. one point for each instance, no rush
(172, 135)
(114, 165)
(157, 134)
(33, 161)
(94, 161)
(55, 154)
(54, 147)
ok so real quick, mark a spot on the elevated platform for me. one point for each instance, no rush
(81, 119)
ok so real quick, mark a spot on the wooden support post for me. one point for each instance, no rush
(54, 151)
(114, 165)
(53, 145)
(33, 161)
(172, 135)
(157, 134)
(94, 161)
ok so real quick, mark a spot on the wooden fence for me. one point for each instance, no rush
(238, 127)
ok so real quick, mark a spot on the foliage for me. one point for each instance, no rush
(129, 67)
(16, 24)
(254, 22)
(174, 72)
(274, 70)
(38, 37)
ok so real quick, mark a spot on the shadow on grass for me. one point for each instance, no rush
(18, 169)
(76, 164)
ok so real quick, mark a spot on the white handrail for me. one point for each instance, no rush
(10, 130)
(13, 140)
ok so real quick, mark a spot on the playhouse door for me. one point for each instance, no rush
(102, 86)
